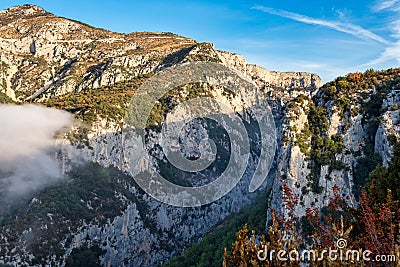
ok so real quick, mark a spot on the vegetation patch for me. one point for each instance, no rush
(4, 99)
(87, 196)
(210, 250)
(108, 102)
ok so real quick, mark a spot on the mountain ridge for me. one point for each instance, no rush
(68, 56)
(325, 133)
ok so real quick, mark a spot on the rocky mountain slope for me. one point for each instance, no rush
(43, 55)
(338, 137)
(346, 137)
(323, 135)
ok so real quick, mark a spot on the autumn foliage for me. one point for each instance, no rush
(373, 227)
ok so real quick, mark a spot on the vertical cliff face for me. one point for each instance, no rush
(282, 85)
(93, 73)
(389, 126)
(104, 145)
(322, 133)
(336, 138)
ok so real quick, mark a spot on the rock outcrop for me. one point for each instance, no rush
(44, 57)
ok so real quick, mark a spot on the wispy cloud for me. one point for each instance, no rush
(388, 4)
(341, 13)
(392, 51)
(348, 28)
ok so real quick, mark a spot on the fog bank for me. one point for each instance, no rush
(27, 147)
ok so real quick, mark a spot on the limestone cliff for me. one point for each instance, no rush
(44, 56)
(68, 64)
(322, 133)
(336, 137)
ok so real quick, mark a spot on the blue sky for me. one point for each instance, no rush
(330, 37)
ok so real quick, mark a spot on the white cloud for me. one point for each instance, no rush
(392, 51)
(349, 28)
(388, 4)
(312, 66)
(396, 28)
(27, 152)
(342, 13)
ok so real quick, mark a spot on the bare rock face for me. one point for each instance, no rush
(233, 60)
(389, 126)
(295, 165)
(289, 80)
(278, 85)
(44, 56)
(361, 121)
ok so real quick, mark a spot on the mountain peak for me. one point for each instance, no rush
(64, 56)
(25, 10)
